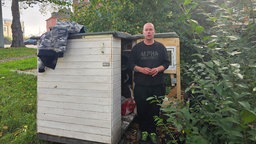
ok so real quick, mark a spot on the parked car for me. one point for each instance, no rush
(30, 42)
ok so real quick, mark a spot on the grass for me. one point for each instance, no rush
(18, 97)
(7, 53)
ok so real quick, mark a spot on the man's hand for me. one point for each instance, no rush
(154, 71)
(148, 71)
(144, 70)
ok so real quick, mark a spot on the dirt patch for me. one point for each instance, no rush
(30, 71)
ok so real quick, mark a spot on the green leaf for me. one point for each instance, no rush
(151, 98)
(229, 120)
(193, 22)
(214, 19)
(199, 29)
(236, 133)
(219, 88)
(209, 64)
(227, 102)
(245, 104)
(236, 65)
(240, 76)
(187, 89)
(242, 85)
(233, 38)
(211, 45)
(199, 140)
(235, 53)
(186, 2)
(198, 55)
(216, 62)
(248, 116)
(229, 110)
(252, 135)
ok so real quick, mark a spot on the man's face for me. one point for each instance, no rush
(148, 31)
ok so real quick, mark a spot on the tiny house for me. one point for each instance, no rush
(80, 100)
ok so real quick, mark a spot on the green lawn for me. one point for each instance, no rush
(18, 97)
(8, 53)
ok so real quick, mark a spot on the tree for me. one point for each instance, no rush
(17, 34)
(123, 15)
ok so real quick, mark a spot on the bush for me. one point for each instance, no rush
(221, 104)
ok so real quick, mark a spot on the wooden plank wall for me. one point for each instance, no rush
(81, 98)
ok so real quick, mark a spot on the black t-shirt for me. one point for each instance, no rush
(150, 56)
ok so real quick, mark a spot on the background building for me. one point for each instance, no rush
(7, 29)
(60, 16)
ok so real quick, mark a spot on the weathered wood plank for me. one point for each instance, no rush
(94, 58)
(73, 93)
(75, 99)
(74, 85)
(85, 50)
(76, 106)
(75, 134)
(75, 127)
(75, 78)
(90, 42)
(74, 120)
(81, 72)
(66, 140)
(80, 64)
(74, 113)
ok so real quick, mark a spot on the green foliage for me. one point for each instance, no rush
(122, 15)
(222, 101)
(217, 53)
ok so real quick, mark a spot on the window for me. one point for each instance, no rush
(172, 57)
(5, 28)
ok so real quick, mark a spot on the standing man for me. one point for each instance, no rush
(148, 60)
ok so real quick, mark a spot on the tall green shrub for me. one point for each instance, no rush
(221, 107)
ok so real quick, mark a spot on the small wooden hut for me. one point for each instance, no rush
(80, 100)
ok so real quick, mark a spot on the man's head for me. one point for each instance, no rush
(149, 31)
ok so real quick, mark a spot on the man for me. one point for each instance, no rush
(148, 60)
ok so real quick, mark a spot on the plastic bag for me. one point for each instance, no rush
(128, 106)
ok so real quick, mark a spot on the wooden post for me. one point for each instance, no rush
(175, 43)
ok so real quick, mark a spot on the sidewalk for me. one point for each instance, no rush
(28, 46)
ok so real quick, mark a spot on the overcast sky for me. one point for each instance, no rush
(34, 21)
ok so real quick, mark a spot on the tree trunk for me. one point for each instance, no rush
(1, 27)
(17, 34)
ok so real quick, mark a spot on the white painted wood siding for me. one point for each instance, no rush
(81, 98)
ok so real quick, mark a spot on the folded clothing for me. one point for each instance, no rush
(48, 57)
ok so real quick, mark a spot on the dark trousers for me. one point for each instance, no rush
(145, 109)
